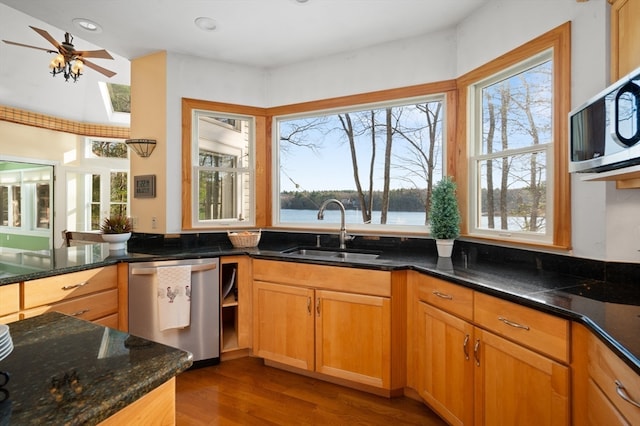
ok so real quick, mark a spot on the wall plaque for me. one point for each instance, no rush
(144, 186)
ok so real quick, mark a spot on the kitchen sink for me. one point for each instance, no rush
(332, 254)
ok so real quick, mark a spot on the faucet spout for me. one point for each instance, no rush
(343, 228)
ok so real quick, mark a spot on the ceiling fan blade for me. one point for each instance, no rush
(98, 68)
(31, 47)
(103, 54)
(47, 36)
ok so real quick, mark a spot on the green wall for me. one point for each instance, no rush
(24, 242)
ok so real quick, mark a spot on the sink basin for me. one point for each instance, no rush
(332, 254)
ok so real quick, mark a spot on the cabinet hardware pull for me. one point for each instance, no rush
(78, 313)
(442, 295)
(623, 394)
(465, 347)
(476, 352)
(318, 307)
(309, 305)
(513, 324)
(71, 287)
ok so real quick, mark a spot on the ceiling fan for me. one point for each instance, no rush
(69, 61)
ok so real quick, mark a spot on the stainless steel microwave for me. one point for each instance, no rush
(604, 132)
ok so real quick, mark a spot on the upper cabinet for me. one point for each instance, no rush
(625, 37)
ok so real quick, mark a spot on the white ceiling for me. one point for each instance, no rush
(258, 33)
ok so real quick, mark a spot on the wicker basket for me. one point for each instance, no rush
(244, 239)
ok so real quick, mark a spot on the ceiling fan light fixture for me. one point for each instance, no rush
(57, 62)
(87, 25)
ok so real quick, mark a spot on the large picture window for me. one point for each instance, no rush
(379, 160)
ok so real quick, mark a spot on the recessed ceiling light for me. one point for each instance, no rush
(205, 23)
(87, 25)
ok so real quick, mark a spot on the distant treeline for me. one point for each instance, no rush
(400, 200)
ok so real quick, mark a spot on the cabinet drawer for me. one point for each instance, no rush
(9, 299)
(6, 319)
(543, 332)
(600, 411)
(353, 280)
(605, 369)
(110, 321)
(449, 297)
(89, 307)
(52, 289)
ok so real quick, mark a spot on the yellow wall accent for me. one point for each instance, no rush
(149, 120)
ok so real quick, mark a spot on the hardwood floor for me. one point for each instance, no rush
(246, 392)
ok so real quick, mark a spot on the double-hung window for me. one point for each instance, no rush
(518, 186)
(222, 167)
(512, 149)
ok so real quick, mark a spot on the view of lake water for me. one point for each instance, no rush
(351, 216)
(393, 218)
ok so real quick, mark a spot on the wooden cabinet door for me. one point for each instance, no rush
(353, 337)
(625, 37)
(445, 364)
(516, 386)
(283, 324)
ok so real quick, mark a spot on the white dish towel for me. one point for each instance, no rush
(174, 296)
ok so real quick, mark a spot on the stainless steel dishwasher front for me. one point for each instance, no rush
(202, 336)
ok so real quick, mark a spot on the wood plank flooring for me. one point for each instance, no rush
(246, 392)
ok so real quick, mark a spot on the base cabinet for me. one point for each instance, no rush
(93, 295)
(605, 389)
(334, 333)
(472, 376)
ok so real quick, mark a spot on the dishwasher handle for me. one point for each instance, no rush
(153, 270)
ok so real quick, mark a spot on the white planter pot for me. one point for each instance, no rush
(445, 247)
(117, 241)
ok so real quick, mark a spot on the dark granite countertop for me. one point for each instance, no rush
(94, 371)
(604, 296)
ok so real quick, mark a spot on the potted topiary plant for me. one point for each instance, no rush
(116, 230)
(444, 216)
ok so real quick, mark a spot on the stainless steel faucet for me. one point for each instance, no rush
(343, 228)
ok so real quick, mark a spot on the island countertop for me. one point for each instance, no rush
(69, 371)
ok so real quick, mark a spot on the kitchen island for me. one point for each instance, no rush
(69, 371)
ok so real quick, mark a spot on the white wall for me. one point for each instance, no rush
(402, 63)
(191, 77)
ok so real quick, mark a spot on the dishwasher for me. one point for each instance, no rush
(201, 337)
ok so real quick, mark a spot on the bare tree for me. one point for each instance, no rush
(505, 95)
(387, 165)
(490, 135)
(422, 164)
(347, 126)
